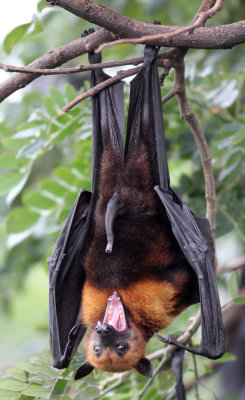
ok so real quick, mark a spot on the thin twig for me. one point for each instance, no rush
(169, 96)
(122, 378)
(108, 82)
(196, 376)
(239, 263)
(82, 68)
(187, 113)
(96, 89)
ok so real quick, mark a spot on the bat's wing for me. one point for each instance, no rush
(66, 269)
(66, 279)
(192, 233)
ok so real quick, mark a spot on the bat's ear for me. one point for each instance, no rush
(144, 367)
(84, 370)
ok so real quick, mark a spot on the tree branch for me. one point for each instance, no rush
(53, 59)
(199, 20)
(220, 37)
(239, 263)
(187, 113)
(225, 36)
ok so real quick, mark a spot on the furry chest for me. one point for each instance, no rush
(148, 303)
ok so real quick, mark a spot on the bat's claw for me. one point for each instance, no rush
(108, 249)
(87, 32)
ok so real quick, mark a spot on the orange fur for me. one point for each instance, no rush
(111, 361)
(94, 303)
(149, 302)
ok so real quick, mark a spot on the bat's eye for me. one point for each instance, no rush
(97, 348)
(122, 348)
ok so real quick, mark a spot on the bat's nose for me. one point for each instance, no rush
(103, 329)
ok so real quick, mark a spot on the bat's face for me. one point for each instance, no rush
(116, 344)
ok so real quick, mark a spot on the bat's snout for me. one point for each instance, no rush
(103, 329)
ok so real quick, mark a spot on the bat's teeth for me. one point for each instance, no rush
(99, 323)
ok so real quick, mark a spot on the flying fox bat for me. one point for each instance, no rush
(131, 255)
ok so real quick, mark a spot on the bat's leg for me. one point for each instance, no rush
(108, 130)
(107, 152)
(145, 122)
(145, 154)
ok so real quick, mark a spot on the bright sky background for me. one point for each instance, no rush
(14, 13)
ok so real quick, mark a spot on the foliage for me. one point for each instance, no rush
(46, 158)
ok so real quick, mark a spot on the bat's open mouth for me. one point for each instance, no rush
(114, 313)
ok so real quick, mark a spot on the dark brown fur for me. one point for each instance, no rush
(146, 267)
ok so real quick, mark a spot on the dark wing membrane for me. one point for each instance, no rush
(192, 233)
(108, 119)
(193, 236)
(66, 278)
(66, 269)
(145, 117)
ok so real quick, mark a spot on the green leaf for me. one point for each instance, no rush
(63, 215)
(25, 126)
(63, 119)
(17, 374)
(42, 4)
(36, 25)
(71, 127)
(8, 161)
(50, 106)
(12, 384)
(21, 219)
(37, 200)
(89, 392)
(233, 284)
(70, 92)
(58, 97)
(227, 357)
(14, 36)
(226, 172)
(53, 187)
(15, 144)
(239, 137)
(36, 391)
(70, 198)
(31, 148)
(27, 367)
(66, 175)
(239, 301)
(9, 181)
(9, 395)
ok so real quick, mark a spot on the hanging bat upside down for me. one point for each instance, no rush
(131, 255)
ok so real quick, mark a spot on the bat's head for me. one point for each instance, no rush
(116, 344)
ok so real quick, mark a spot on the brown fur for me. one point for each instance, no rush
(146, 267)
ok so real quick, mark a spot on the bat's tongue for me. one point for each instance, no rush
(114, 313)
